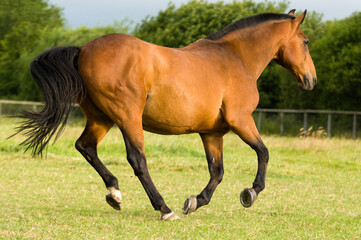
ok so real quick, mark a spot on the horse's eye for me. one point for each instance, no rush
(306, 42)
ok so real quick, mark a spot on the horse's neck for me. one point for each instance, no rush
(255, 47)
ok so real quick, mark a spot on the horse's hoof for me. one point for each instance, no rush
(114, 199)
(248, 196)
(169, 216)
(190, 205)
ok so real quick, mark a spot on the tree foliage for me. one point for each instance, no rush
(337, 55)
(21, 24)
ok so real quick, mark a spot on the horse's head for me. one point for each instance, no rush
(295, 56)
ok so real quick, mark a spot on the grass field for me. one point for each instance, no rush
(313, 190)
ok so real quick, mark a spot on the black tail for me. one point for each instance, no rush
(55, 72)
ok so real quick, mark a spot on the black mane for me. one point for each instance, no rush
(248, 22)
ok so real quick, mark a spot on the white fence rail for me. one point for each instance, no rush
(260, 112)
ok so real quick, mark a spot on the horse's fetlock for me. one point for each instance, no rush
(202, 199)
(259, 187)
(113, 182)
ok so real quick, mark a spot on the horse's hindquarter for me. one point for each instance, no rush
(185, 94)
(107, 66)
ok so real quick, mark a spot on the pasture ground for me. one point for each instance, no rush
(313, 190)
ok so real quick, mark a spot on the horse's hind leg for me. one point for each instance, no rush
(213, 145)
(134, 142)
(97, 126)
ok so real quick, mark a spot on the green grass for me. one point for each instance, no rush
(313, 190)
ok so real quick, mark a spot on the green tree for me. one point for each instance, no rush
(15, 13)
(338, 61)
(21, 22)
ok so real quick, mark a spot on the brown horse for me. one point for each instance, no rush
(208, 87)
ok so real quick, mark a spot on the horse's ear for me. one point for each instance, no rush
(300, 18)
(292, 12)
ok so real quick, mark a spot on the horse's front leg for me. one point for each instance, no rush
(213, 146)
(245, 128)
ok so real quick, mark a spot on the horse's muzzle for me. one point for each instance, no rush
(308, 82)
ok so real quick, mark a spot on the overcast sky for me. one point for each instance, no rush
(103, 12)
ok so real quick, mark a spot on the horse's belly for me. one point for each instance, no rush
(163, 127)
(175, 120)
(182, 105)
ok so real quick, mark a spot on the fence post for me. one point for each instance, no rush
(282, 115)
(329, 125)
(354, 127)
(259, 124)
